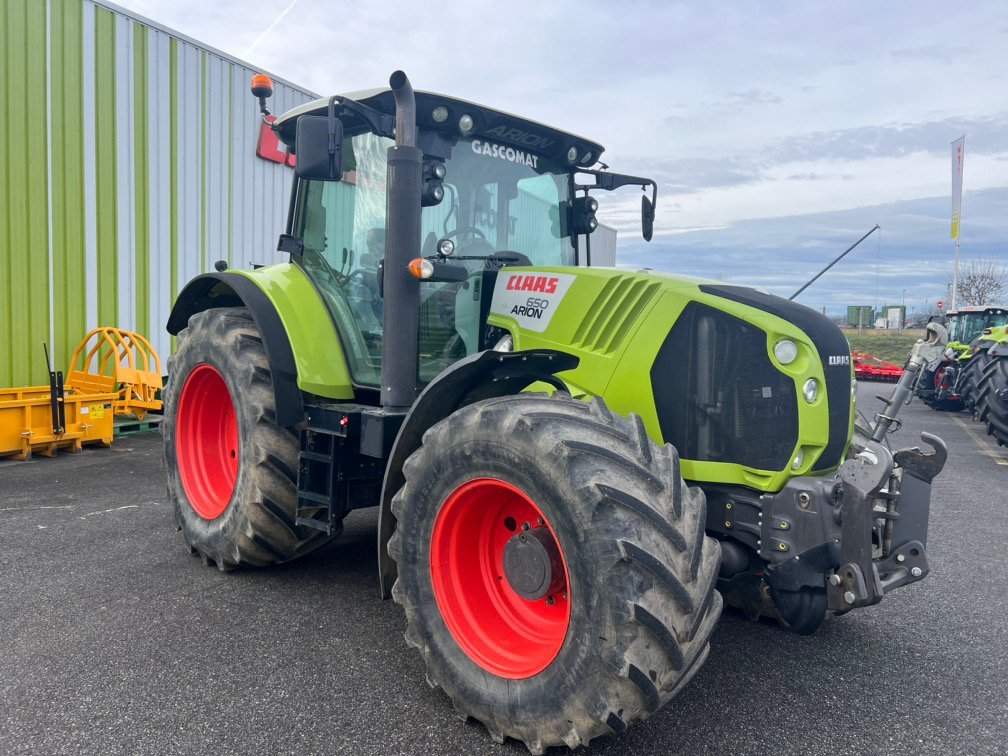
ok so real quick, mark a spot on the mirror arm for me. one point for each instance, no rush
(610, 181)
(381, 124)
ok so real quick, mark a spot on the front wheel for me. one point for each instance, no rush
(553, 568)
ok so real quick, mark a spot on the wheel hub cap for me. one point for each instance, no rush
(532, 564)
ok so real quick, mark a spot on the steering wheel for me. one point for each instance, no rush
(466, 230)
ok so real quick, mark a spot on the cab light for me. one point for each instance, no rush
(262, 86)
(420, 268)
(440, 114)
(465, 123)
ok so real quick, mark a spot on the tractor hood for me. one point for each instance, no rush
(488, 123)
(701, 362)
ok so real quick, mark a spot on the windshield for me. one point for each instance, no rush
(970, 326)
(496, 200)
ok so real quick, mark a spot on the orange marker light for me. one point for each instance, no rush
(420, 268)
(262, 86)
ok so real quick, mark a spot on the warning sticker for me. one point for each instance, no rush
(97, 411)
(530, 298)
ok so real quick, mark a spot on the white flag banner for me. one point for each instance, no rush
(958, 148)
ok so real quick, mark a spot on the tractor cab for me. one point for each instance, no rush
(497, 190)
(972, 321)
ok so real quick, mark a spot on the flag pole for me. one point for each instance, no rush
(958, 150)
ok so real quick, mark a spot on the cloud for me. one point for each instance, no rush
(755, 97)
(686, 175)
(985, 135)
(936, 52)
(911, 253)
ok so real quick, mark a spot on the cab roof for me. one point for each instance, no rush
(493, 125)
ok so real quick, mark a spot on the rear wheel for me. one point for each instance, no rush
(968, 384)
(553, 568)
(992, 399)
(232, 472)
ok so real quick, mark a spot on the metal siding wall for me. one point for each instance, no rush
(88, 155)
(189, 109)
(217, 154)
(159, 168)
(603, 247)
(125, 175)
(24, 207)
(68, 227)
(150, 140)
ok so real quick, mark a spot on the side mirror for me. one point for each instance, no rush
(647, 218)
(319, 148)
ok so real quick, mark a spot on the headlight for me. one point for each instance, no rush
(786, 351)
(810, 390)
(799, 458)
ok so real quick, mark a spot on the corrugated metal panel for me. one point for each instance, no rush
(67, 163)
(150, 142)
(603, 247)
(24, 223)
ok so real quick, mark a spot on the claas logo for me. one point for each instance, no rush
(542, 284)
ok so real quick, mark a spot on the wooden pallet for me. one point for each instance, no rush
(130, 425)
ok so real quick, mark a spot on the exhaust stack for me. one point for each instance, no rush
(402, 241)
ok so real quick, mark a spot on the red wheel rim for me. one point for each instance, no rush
(206, 442)
(505, 634)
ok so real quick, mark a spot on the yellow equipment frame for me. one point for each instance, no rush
(112, 372)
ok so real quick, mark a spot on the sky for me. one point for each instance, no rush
(779, 133)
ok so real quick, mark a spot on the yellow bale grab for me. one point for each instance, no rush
(113, 372)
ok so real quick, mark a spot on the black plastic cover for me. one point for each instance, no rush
(834, 353)
(719, 397)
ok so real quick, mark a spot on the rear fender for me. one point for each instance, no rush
(481, 376)
(233, 290)
(301, 343)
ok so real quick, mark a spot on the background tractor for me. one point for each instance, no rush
(438, 347)
(973, 360)
(950, 383)
(991, 404)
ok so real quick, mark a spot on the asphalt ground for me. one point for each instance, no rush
(114, 640)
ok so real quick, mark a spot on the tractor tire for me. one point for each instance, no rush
(992, 399)
(232, 472)
(553, 568)
(968, 383)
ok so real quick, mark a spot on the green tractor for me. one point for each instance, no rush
(982, 329)
(991, 404)
(573, 467)
(950, 382)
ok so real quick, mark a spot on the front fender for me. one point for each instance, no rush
(480, 376)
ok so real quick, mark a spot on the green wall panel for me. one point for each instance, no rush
(141, 188)
(24, 193)
(106, 212)
(66, 57)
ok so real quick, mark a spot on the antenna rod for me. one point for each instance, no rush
(845, 253)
